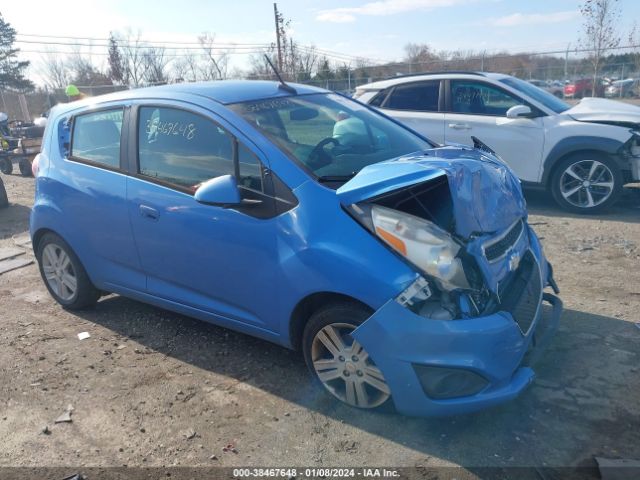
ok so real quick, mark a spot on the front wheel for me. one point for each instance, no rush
(338, 361)
(63, 274)
(25, 167)
(586, 183)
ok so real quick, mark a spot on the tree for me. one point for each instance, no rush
(54, 70)
(155, 65)
(12, 71)
(133, 61)
(83, 72)
(599, 31)
(216, 62)
(419, 56)
(116, 67)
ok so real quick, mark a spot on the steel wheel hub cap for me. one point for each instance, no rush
(59, 272)
(587, 183)
(345, 369)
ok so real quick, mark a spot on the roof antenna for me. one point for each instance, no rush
(283, 85)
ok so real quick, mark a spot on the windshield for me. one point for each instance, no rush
(332, 136)
(542, 96)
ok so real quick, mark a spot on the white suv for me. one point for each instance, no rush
(582, 154)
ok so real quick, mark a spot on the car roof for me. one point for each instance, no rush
(399, 79)
(221, 91)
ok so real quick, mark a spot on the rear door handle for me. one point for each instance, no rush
(460, 126)
(149, 212)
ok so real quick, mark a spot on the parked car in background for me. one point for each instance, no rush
(555, 88)
(582, 154)
(583, 87)
(401, 269)
(623, 88)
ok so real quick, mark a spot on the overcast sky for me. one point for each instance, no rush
(377, 30)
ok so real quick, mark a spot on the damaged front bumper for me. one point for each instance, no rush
(446, 367)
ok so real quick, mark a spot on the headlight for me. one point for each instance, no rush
(422, 243)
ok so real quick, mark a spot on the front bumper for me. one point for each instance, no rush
(402, 343)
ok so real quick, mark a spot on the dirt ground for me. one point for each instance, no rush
(150, 387)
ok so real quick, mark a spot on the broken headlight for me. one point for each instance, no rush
(422, 243)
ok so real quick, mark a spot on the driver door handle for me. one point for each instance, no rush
(460, 126)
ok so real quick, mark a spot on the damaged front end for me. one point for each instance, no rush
(457, 336)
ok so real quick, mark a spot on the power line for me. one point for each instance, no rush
(118, 39)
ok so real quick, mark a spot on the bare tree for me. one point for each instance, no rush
(133, 61)
(82, 71)
(217, 60)
(155, 65)
(599, 31)
(54, 70)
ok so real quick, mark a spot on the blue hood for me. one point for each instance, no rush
(486, 194)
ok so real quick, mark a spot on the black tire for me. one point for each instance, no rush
(6, 166)
(25, 167)
(601, 203)
(339, 313)
(86, 294)
(4, 200)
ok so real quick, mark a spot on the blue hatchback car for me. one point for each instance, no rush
(404, 270)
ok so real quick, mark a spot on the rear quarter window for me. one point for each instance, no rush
(96, 137)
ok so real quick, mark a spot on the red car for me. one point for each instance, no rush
(583, 87)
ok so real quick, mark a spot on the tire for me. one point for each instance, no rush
(6, 166)
(338, 362)
(4, 200)
(85, 294)
(25, 167)
(586, 183)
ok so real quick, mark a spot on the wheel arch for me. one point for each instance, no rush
(580, 145)
(310, 304)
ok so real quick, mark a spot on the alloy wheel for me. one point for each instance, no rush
(345, 368)
(587, 183)
(59, 272)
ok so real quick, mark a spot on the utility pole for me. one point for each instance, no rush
(566, 63)
(277, 19)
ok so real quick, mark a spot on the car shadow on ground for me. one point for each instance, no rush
(627, 209)
(582, 403)
(14, 220)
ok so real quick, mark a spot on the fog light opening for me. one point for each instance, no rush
(443, 383)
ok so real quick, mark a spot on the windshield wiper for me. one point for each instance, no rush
(336, 178)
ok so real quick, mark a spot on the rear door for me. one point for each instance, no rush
(476, 108)
(90, 188)
(418, 105)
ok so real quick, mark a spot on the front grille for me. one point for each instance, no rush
(495, 249)
(523, 294)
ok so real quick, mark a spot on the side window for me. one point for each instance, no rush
(182, 148)
(480, 98)
(96, 137)
(419, 97)
(378, 98)
(249, 169)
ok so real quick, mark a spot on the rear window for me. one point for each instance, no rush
(96, 137)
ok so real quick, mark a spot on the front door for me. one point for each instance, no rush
(214, 259)
(479, 109)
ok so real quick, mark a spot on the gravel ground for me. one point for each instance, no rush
(150, 387)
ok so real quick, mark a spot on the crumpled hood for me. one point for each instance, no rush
(486, 194)
(603, 110)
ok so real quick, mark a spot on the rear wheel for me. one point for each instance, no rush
(25, 167)
(586, 183)
(63, 274)
(6, 166)
(338, 361)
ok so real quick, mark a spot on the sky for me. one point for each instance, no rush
(377, 30)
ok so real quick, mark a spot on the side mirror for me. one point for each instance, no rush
(221, 191)
(518, 111)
